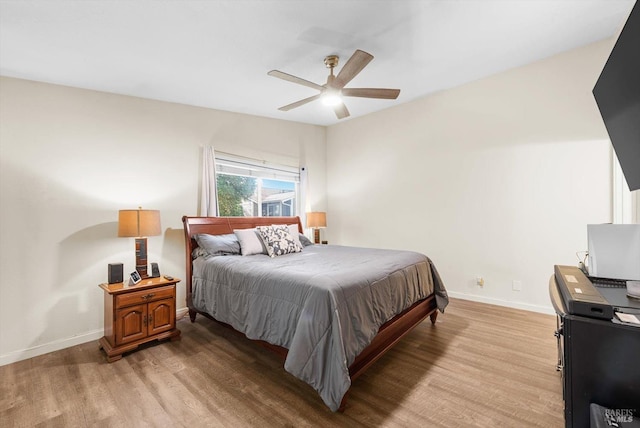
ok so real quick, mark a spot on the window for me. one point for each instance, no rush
(249, 187)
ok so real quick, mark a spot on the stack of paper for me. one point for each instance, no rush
(628, 318)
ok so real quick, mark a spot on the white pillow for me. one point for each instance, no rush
(250, 242)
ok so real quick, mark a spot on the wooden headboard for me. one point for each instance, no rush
(220, 226)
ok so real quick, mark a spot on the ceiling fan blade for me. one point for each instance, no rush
(341, 111)
(387, 94)
(352, 67)
(299, 103)
(294, 79)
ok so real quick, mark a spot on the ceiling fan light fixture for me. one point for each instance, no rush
(331, 93)
(331, 98)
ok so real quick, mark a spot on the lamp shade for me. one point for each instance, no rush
(316, 219)
(137, 223)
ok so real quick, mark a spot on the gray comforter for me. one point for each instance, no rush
(324, 305)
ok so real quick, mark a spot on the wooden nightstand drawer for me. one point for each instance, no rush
(144, 296)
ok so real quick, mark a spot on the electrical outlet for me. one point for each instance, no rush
(479, 280)
(516, 285)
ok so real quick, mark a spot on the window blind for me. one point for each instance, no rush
(236, 165)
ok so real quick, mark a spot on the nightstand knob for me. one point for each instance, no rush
(148, 296)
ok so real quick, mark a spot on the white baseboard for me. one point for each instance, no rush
(180, 313)
(516, 305)
(45, 348)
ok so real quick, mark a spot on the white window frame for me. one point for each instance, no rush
(626, 204)
(237, 165)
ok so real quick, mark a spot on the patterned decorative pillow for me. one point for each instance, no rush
(278, 240)
(293, 230)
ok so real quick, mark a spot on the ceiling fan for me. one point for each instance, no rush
(332, 92)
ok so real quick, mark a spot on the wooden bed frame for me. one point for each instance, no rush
(388, 334)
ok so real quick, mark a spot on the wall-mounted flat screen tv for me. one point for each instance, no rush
(617, 93)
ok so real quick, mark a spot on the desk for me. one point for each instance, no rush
(599, 360)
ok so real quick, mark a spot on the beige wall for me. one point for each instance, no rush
(497, 178)
(69, 160)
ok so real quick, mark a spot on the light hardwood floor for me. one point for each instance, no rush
(479, 366)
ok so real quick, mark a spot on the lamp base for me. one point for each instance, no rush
(316, 235)
(141, 257)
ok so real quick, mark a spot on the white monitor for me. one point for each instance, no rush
(614, 251)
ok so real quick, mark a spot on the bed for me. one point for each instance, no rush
(329, 311)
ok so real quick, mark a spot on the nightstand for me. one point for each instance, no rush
(136, 314)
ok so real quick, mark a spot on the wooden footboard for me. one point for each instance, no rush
(391, 332)
(388, 334)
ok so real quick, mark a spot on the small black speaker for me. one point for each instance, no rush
(155, 270)
(115, 272)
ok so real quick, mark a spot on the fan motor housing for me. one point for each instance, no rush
(331, 61)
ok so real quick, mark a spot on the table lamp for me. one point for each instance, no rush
(139, 224)
(316, 220)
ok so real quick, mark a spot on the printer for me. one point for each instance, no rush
(614, 256)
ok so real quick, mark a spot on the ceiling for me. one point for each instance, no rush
(216, 54)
